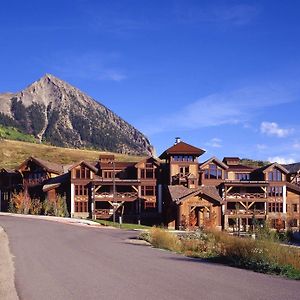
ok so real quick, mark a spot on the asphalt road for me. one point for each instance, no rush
(61, 261)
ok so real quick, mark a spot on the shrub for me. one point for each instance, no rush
(160, 238)
(20, 203)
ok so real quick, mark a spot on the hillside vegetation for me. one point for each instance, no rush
(13, 153)
(11, 133)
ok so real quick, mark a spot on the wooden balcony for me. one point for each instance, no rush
(33, 181)
(103, 213)
(245, 212)
(245, 196)
(127, 196)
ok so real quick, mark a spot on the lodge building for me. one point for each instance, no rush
(176, 190)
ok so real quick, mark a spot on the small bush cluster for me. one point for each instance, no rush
(262, 255)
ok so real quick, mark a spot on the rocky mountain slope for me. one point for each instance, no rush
(56, 112)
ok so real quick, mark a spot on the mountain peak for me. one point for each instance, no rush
(55, 111)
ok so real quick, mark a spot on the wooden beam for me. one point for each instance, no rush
(135, 188)
(97, 188)
(243, 204)
(251, 204)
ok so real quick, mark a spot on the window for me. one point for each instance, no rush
(83, 173)
(148, 172)
(107, 174)
(183, 158)
(275, 175)
(275, 207)
(213, 172)
(148, 190)
(81, 206)
(242, 176)
(275, 191)
(81, 190)
(295, 207)
(183, 171)
(5, 196)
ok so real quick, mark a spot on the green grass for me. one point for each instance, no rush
(129, 226)
(12, 133)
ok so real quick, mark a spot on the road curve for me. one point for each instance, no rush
(62, 261)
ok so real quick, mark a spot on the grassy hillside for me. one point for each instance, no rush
(13, 153)
(12, 133)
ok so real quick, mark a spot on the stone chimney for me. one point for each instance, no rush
(177, 140)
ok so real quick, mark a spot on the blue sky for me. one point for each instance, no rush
(222, 75)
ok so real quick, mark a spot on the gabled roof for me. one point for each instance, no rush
(293, 168)
(55, 182)
(182, 148)
(293, 187)
(242, 168)
(150, 158)
(214, 159)
(266, 168)
(47, 165)
(87, 164)
(180, 193)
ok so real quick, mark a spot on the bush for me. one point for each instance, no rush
(160, 238)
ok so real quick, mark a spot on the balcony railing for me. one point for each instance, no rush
(246, 196)
(103, 213)
(245, 212)
(33, 181)
(117, 196)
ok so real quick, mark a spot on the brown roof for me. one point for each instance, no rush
(180, 193)
(293, 187)
(211, 192)
(89, 165)
(47, 165)
(240, 168)
(293, 168)
(182, 148)
(221, 164)
(150, 158)
(272, 165)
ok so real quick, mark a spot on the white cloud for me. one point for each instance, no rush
(215, 143)
(281, 160)
(261, 146)
(272, 128)
(239, 14)
(237, 106)
(296, 145)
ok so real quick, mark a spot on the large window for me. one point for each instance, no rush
(213, 172)
(242, 176)
(148, 190)
(275, 207)
(83, 173)
(183, 158)
(148, 172)
(275, 175)
(81, 206)
(81, 190)
(275, 191)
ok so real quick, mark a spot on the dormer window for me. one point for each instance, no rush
(275, 175)
(183, 158)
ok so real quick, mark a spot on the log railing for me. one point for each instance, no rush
(110, 196)
(245, 212)
(246, 196)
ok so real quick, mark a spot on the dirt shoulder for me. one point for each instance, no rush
(7, 283)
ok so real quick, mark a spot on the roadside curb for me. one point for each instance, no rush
(7, 270)
(57, 219)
